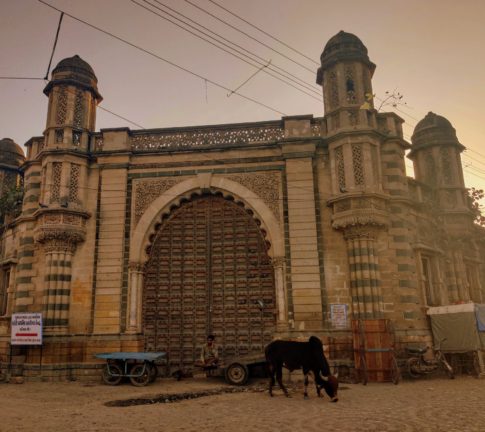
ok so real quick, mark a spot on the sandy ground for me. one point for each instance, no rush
(423, 405)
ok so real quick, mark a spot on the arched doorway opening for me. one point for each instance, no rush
(208, 272)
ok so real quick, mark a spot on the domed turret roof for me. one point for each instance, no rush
(434, 130)
(11, 153)
(343, 46)
(75, 64)
(74, 71)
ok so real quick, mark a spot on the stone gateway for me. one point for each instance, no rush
(148, 240)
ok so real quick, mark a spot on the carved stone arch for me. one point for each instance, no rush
(174, 197)
(140, 237)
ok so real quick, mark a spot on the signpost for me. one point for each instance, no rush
(26, 329)
(338, 315)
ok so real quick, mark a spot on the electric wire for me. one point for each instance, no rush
(310, 86)
(54, 47)
(228, 51)
(216, 84)
(262, 31)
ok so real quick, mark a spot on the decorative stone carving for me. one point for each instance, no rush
(361, 217)
(446, 165)
(265, 185)
(147, 191)
(79, 110)
(358, 164)
(56, 181)
(339, 162)
(61, 106)
(278, 261)
(361, 231)
(59, 239)
(74, 183)
(333, 91)
(137, 266)
(207, 137)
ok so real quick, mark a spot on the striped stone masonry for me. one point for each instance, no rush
(364, 272)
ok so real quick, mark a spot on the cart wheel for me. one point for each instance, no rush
(412, 366)
(143, 373)
(153, 372)
(113, 378)
(395, 372)
(237, 374)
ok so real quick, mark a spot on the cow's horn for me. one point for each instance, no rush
(325, 378)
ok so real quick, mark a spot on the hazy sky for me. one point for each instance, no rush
(431, 51)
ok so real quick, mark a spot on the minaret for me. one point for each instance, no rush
(358, 202)
(345, 75)
(437, 163)
(435, 153)
(61, 218)
(73, 96)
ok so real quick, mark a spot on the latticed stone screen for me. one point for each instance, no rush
(358, 163)
(56, 181)
(79, 110)
(446, 165)
(339, 160)
(61, 106)
(74, 183)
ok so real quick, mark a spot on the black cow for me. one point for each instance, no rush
(306, 355)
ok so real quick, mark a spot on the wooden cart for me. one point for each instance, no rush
(374, 354)
(139, 367)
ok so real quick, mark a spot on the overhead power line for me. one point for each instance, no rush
(55, 44)
(20, 78)
(262, 31)
(231, 50)
(163, 59)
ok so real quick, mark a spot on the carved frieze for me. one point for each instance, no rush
(147, 191)
(266, 185)
(207, 137)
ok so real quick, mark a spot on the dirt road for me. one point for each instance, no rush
(427, 405)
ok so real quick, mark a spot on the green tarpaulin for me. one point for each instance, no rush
(458, 325)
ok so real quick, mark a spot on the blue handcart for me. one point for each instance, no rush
(140, 367)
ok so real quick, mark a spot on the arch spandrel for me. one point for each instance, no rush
(146, 224)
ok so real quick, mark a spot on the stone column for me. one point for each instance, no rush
(59, 235)
(57, 291)
(364, 272)
(134, 297)
(281, 303)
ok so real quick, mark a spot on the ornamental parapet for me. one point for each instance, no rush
(210, 136)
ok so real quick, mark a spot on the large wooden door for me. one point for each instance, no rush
(208, 272)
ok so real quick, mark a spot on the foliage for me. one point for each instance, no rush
(475, 195)
(11, 202)
(392, 99)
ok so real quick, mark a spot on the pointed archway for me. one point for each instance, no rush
(208, 272)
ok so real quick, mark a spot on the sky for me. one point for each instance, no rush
(430, 51)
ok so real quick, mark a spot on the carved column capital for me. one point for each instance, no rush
(361, 231)
(278, 262)
(136, 267)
